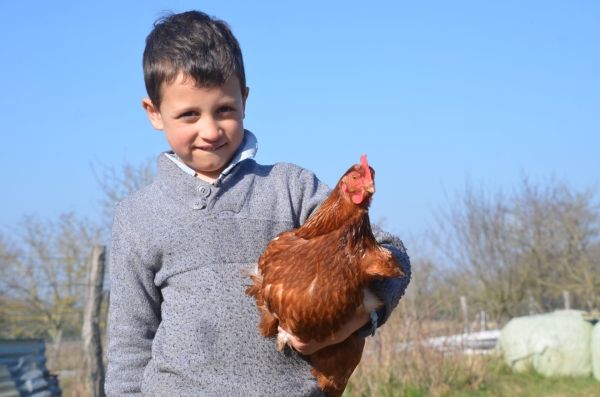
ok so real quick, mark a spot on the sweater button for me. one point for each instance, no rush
(198, 204)
(204, 191)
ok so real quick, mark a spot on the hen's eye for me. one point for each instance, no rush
(354, 177)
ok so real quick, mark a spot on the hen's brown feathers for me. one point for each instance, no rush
(313, 278)
(314, 299)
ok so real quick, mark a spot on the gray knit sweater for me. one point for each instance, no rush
(181, 324)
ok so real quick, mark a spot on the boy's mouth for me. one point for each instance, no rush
(210, 148)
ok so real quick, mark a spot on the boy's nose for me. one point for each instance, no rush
(209, 129)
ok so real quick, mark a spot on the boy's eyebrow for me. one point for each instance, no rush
(191, 107)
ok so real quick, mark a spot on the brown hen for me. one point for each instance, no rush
(314, 279)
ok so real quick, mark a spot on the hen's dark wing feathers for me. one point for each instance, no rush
(380, 262)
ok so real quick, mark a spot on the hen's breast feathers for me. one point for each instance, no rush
(316, 285)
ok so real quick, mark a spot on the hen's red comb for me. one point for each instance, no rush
(363, 161)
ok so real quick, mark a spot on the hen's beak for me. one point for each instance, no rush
(370, 188)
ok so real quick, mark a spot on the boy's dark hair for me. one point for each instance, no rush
(194, 44)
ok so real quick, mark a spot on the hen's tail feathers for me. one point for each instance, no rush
(268, 323)
(254, 289)
(382, 263)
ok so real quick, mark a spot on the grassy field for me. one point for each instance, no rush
(387, 370)
(531, 384)
(384, 372)
(499, 382)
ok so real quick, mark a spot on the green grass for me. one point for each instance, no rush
(530, 384)
(500, 382)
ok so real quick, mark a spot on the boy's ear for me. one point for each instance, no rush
(244, 97)
(153, 114)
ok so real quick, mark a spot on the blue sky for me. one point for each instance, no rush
(434, 92)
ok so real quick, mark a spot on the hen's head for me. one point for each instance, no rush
(358, 184)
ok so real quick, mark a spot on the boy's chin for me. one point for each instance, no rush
(212, 171)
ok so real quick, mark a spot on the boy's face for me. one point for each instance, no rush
(204, 126)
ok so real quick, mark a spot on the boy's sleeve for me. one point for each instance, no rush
(311, 193)
(389, 290)
(134, 311)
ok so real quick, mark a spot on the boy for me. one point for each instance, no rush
(181, 323)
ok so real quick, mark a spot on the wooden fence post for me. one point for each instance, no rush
(465, 312)
(106, 299)
(482, 322)
(567, 299)
(92, 345)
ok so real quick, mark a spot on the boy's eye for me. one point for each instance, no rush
(224, 109)
(189, 114)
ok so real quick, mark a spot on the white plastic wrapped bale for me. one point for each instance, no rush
(596, 350)
(552, 344)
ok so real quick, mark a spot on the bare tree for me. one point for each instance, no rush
(505, 251)
(475, 240)
(43, 265)
(45, 274)
(119, 182)
(427, 295)
(556, 227)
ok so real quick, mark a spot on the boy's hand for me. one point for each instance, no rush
(312, 346)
